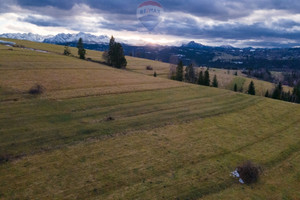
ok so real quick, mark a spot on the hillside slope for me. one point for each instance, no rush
(102, 133)
(226, 78)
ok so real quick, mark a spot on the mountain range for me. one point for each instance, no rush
(191, 52)
(59, 38)
(65, 38)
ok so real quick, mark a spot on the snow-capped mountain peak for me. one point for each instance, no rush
(86, 37)
(59, 38)
(25, 36)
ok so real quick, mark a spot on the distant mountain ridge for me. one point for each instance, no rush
(87, 38)
(25, 36)
(61, 38)
(224, 56)
(64, 38)
(194, 45)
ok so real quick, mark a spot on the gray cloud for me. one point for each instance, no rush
(120, 15)
(216, 9)
(236, 31)
(40, 22)
(65, 5)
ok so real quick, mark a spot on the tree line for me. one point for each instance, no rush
(114, 56)
(280, 94)
(189, 75)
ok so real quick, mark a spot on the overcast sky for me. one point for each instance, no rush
(240, 23)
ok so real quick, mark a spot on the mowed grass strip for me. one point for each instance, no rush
(47, 124)
(178, 141)
(183, 160)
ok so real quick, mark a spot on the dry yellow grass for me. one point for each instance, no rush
(139, 65)
(225, 77)
(64, 76)
(168, 140)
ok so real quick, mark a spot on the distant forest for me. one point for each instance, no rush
(219, 57)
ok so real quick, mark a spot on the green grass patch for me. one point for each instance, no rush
(167, 140)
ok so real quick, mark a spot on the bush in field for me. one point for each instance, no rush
(4, 158)
(67, 51)
(149, 67)
(249, 172)
(110, 118)
(37, 89)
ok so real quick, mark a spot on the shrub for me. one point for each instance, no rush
(4, 158)
(249, 172)
(37, 89)
(149, 67)
(67, 51)
(110, 118)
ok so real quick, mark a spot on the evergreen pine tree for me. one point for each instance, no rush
(115, 55)
(296, 93)
(287, 96)
(201, 78)
(110, 53)
(251, 89)
(235, 87)
(267, 93)
(118, 59)
(179, 71)
(277, 94)
(206, 80)
(81, 50)
(190, 74)
(215, 82)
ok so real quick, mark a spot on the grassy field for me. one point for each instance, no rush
(167, 140)
(65, 77)
(226, 78)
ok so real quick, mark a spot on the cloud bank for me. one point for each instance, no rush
(261, 23)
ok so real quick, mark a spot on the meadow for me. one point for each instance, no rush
(102, 133)
(226, 78)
